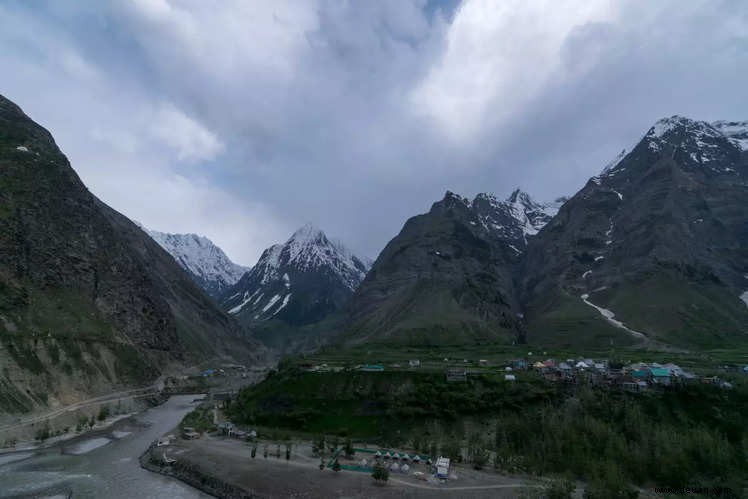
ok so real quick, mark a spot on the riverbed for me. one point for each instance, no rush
(104, 465)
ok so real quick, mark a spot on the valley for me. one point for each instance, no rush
(511, 336)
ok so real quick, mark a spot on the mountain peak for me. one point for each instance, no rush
(307, 232)
(203, 260)
(518, 195)
(299, 281)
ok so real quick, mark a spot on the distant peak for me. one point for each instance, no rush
(518, 195)
(450, 198)
(663, 126)
(307, 232)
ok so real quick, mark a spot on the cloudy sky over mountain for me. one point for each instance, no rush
(242, 120)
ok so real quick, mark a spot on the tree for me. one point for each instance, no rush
(336, 466)
(380, 473)
(333, 445)
(561, 488)
(480, 458)
(318, 446)
(451, 448)
(349, 452)
(609, 483)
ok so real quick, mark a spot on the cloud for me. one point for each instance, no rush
(242, 120)
(190, 140)
(498, 56)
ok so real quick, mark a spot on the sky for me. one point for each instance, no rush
(243, 120)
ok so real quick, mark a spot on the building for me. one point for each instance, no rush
(519, 364)
(372, 368)
(634, 386)
(442, 467)
(457, 374)
(660, 376)
(227, 428)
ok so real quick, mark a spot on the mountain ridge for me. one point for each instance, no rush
(203, 260)
(87, 300)
(681, 177)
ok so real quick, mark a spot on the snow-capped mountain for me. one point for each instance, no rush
(656, 242)
(448, 275)
(205, 262)
(515, 218)
(716, 146)
(299, 282)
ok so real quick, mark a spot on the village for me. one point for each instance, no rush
(631, 377)
(216, 446)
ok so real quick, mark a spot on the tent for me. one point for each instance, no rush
(416, 458)
(405, 468)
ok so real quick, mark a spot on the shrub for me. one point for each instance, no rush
(380, 473)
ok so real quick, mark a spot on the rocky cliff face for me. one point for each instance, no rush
(659, 240)
(87, 300)
(653, 250)
(447, 278)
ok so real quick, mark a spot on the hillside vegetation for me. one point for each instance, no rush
(693, 435)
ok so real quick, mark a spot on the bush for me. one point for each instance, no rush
(560, 489)
(380, 473)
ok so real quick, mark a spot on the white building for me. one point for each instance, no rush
(442, 467)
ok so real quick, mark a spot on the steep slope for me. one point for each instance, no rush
(659, 240)
(296, 286)
(205, 262)
(447, 277)
(88, 301)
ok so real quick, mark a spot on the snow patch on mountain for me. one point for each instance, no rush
(610, 317)
(736, 131)
(309, 248)
(515, 218)
(705, 143)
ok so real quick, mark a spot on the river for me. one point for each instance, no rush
(100, 466)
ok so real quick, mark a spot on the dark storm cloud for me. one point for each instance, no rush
(243, 120)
